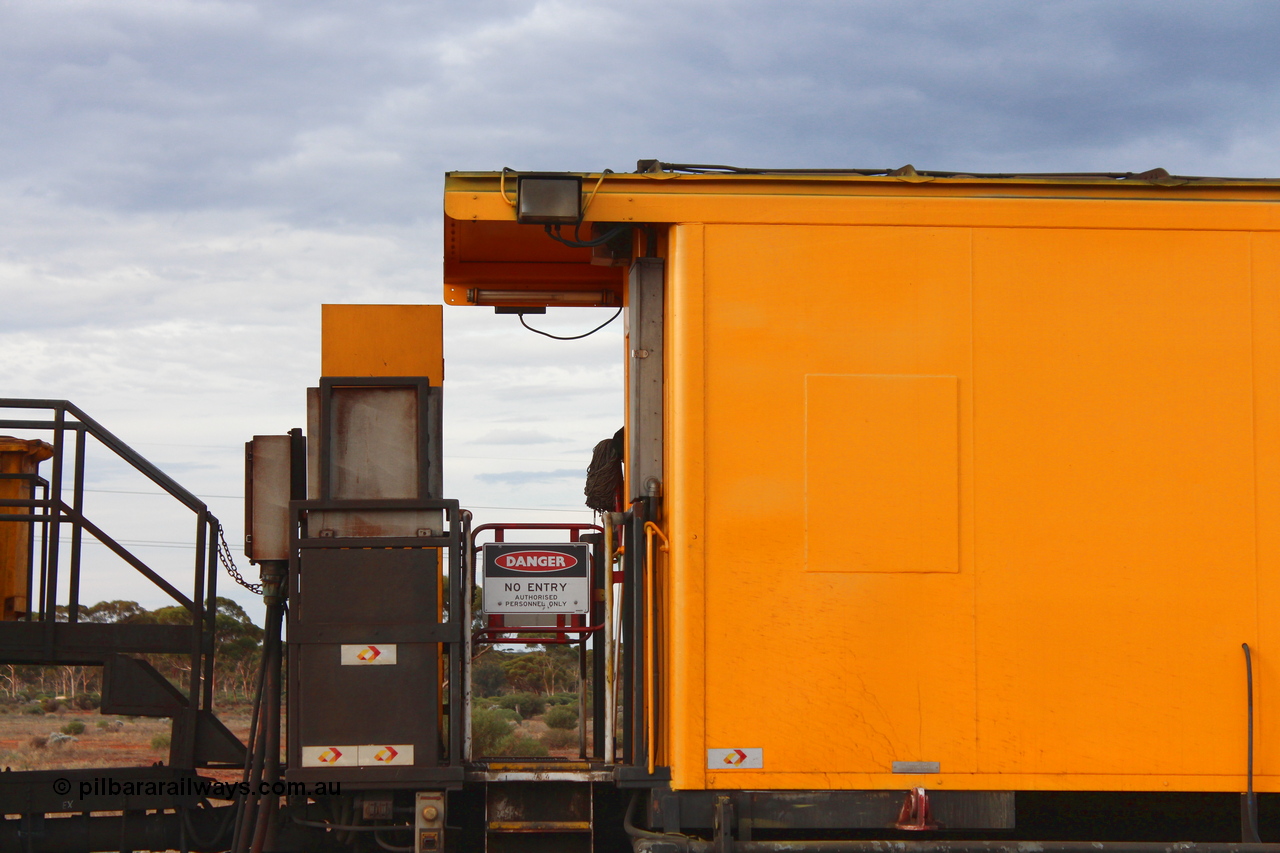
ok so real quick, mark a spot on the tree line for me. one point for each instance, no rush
(237, 653)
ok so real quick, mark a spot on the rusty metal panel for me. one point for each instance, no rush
(268, 464)
(374, 441)
(357, 523)
(374, 446)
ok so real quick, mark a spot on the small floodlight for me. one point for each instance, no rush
(549, 199)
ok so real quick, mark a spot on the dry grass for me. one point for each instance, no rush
(24, 740)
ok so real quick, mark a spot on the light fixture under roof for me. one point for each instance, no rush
(549, 199)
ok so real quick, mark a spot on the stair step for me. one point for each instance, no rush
(538, 766)
(538, 816)
(539, 826)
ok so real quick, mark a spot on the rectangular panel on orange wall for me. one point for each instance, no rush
(882, 473)
(1115, 493)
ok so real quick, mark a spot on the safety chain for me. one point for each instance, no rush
(224, 555)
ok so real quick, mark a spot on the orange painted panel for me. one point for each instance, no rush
(1265, 258)
(382, 340)
(1114, 500)
(881, 470)
(826, 670)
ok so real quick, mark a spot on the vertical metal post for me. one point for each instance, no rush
(598, 644)
(609, 713)
(632, 662)
(636, 581)
(77, 530)
(211, 609)
(49, 593)
(184, 751)
(466, 562)
(459, 709)
(645, 394)
(645, 306)
(582, 696)
(44, 555)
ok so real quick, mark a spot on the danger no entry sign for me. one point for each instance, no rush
(539, 577)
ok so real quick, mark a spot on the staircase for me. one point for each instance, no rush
(538, 817)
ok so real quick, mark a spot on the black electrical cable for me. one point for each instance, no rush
(629, 826)
(554, 234)
(242, 801)
(394, 848)
(346, 827)
(1251, 798)
(223, 826)
(569, 337)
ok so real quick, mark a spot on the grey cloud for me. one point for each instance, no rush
(333, 114)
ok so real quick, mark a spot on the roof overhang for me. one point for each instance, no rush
(491, 259)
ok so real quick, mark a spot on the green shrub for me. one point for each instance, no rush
(507, 714)
(87, 701)
(488, 678)
(52, 706)
(561, 738)
(562, 717)
(488, 731)
(562, 699)
(75, 727)
(160, 741)
(525, 704)
(523, 747)
(34, 709)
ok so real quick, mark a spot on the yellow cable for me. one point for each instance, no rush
(502, 185)
(594, 190)
(649, 530)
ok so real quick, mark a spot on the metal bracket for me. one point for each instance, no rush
(723, 826)
(915, 814)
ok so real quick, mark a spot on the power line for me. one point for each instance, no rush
(472, 506)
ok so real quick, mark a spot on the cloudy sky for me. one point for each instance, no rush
(184, 182)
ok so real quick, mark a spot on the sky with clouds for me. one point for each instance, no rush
(184, 182)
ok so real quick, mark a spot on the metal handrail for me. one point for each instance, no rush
(57, 510)
(57, 505)
(109, 440)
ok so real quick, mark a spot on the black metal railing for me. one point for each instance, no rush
(50, 632)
